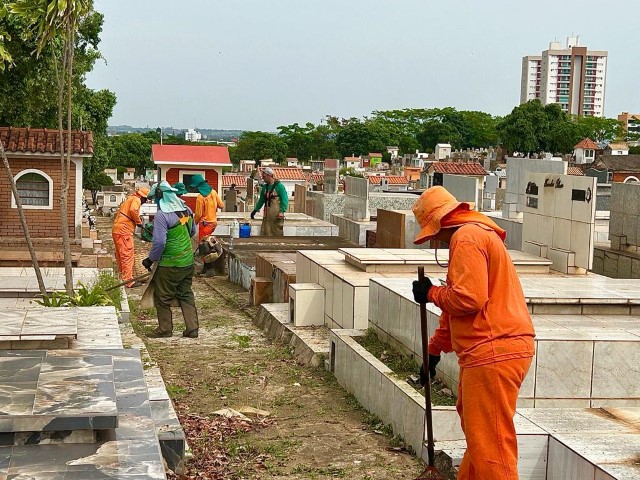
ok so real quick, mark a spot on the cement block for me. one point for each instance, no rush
(261, 291)
(306, 304)
(104, 261)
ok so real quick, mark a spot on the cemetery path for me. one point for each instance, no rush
(315, 430)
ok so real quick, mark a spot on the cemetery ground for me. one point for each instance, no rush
(314, 430)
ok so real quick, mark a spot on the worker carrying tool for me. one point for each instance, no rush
(485, 321)
(274, 197)
(124, 225)
(207, 204)
(171, 281)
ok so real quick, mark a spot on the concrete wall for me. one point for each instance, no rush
(327, 204)
(615, 264)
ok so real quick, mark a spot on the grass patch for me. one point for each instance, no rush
(404, 367)
(244, 341)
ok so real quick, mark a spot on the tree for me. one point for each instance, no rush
(94, 183)
(52, 21)
(259, 145)
(525, 128)
(598, 129)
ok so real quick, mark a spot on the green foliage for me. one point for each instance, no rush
(260, 145)
(533, 128)
(634, 150)
(86, 295)
(89, 296)
(106, 281)
(54, 299)
(28, 90)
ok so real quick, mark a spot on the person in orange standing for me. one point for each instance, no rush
(124, 224)
(207, 205)
(485, 321)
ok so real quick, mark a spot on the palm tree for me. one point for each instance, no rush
(55, 21)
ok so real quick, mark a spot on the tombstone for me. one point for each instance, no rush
(624, 219)
(559, 220)
(330, 181)
(231, 200)
(356, 205)
(517, 173)
(464, 188)
(250, 191)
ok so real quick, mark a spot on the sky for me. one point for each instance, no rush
(258, 64)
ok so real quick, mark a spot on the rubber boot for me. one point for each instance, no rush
(190, 314)
(165, 319)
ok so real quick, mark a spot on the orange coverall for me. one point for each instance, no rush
(206, 213)
(486, 322)
(124, 224)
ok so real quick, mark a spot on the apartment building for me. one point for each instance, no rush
(573, 77)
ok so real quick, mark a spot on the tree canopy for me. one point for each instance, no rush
(532, 128)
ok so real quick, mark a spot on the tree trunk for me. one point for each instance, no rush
(64, 188)
(23, 221)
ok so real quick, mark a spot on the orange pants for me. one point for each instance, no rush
(487, 398)
(206, 230)
(124, 255)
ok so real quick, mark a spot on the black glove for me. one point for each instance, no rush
(433, 361)
(421, 290)
(147, 263)
(253, 214)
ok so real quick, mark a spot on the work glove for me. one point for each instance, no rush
(253, 214)
(421, 290)
(433, 361)
(147, 263)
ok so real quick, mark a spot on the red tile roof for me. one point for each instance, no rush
(458, 168)
(577, 171)
(379, 155)
(286, 173)
(229, 178)
(43, 140)
(587, 143)
(316, 177)
(209, 155)
(392, 179)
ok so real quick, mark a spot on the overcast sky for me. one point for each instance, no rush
(257, 64)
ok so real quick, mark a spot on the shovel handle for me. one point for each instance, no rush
(427, 388)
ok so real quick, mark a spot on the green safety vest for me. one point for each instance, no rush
(177, 251)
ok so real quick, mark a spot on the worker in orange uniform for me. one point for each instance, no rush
(207, 205)
(486, 322)
(124, 224)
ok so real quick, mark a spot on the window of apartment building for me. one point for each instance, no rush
(35, 189)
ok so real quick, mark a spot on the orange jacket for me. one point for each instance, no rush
(207, 207)
(127, 216)
(484, 313)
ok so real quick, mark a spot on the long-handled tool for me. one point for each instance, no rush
(126, 282)
(431, 472)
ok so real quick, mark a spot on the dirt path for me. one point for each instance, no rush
(317, 430)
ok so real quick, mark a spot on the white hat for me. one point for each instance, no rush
(268, 171)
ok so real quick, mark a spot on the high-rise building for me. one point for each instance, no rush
(573, 77)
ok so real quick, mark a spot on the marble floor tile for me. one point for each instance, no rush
(563, 369)
(616, 369)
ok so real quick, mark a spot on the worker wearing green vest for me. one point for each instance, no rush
(173, 227)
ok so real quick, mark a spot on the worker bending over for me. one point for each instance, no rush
(124, 225)
(485, 321)
(274, 197)
(173, 227)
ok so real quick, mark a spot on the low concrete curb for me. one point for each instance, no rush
(310, 344)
